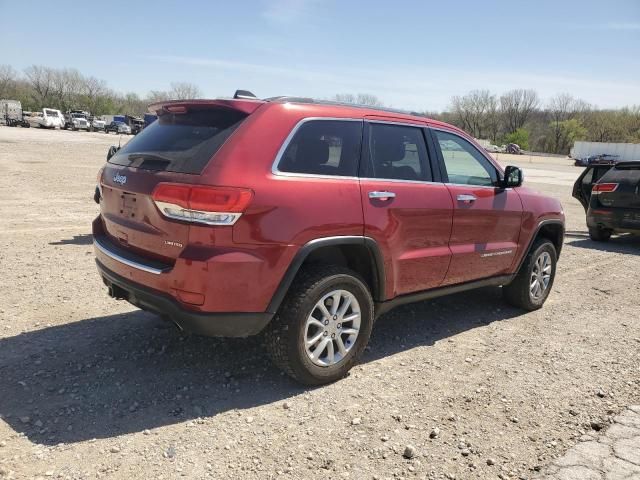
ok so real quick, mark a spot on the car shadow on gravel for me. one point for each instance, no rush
(629, 244)
(82, 239)
(119, 374)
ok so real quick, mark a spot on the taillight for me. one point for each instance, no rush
(208, 205)
(99, 180)
(603, 188)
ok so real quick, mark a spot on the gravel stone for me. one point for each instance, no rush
(409, 451)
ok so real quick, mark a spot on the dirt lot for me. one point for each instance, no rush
(93, 388)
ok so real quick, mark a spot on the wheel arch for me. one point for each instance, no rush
(552, 230)
(358, 253)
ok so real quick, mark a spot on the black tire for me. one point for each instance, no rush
(518, 292)
(285, 336)
(599, 234)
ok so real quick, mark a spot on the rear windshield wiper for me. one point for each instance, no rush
(148, 161)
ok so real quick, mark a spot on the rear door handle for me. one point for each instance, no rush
(382, 195)
(466, 198)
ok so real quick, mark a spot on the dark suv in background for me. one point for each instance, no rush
(306, 220)
(610, 194)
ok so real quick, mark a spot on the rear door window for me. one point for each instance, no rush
(324, 147)
(180, 142)
(397, 152)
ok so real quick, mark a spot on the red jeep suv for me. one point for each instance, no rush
(306, 220)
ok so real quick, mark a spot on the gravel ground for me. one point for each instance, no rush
(462, 387)
(613, 455)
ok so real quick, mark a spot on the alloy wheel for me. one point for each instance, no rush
(540, 275)
(332, 328)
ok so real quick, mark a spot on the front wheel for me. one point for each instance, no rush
(533, 282)
(323, 325)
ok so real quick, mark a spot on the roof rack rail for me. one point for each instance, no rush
(285, 99)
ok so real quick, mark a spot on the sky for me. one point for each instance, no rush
(411, 54)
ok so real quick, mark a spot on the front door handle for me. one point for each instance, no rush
(466, 198)
(382, 195)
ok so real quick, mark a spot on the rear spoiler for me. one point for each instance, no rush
(244, 105)
(630, 165)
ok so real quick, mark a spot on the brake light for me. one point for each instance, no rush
(195, 203)
(99, 180)
(603, 188)
(176, 109)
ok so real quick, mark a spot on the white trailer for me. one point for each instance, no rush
(621, 151)
(11, 114)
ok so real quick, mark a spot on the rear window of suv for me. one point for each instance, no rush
(180, 142)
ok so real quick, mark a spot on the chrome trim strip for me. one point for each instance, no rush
(401, 123)
(130, 263)
(399, 180)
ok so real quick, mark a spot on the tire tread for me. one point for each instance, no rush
(276, 334)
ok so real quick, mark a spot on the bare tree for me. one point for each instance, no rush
(93, 92)
(184, 91)
(41, 80)
(358, 99)
(157, 96)
(562, 108)
(516, 107)
(8, 78)
(475, 112)
(68, 85)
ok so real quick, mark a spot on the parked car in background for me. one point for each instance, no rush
(308, 219)
(135, 123)
(11, 114)
(495, 148)
(513, 148)
(118, 127)
(97, 124)
(77, 120)
(47, 118)
(610, 194)
(600, 158)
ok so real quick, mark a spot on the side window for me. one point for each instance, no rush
(465, 165)
(397, 152)
(324, 147)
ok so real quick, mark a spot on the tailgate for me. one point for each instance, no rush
(131, 218)
(176, 148)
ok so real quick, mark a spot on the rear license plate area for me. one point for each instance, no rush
(128, 205)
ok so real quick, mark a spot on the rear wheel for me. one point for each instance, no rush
(599, 234)
(322, 326)
(533, 282)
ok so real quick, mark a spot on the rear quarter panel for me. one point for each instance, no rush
(286, 209)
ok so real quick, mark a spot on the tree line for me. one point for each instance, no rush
(38, 87)
(517, 116)
(520, 116)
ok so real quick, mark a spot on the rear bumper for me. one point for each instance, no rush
(235, 324)
(622, 220)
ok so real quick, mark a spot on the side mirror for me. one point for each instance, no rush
(513, 177)
(112, 151)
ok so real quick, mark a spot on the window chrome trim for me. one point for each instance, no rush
(125, 261)
(399, 180)
(400, 124)
(287, 141)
